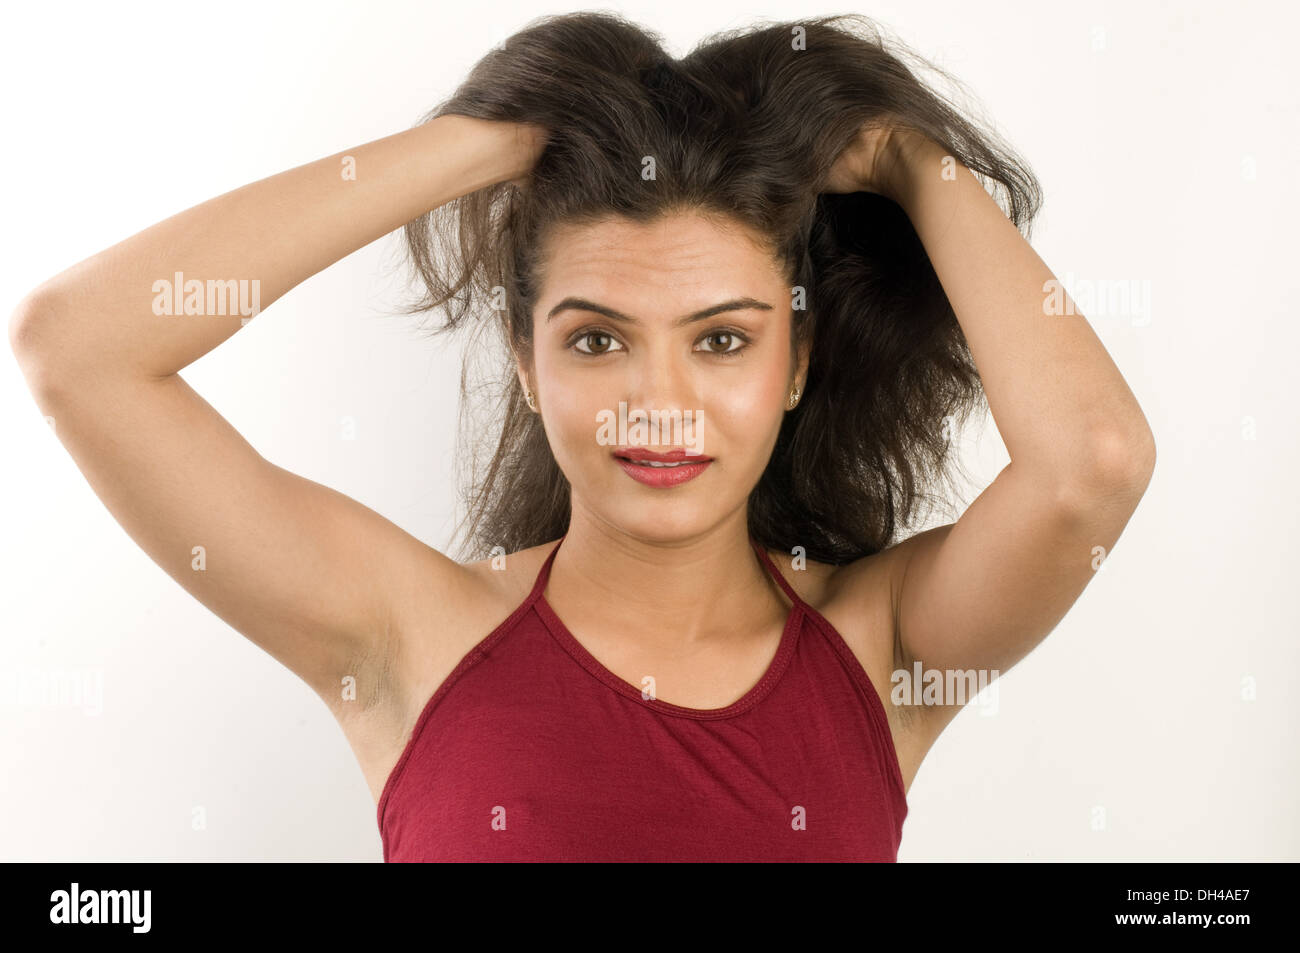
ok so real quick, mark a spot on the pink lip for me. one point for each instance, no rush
(660, 477)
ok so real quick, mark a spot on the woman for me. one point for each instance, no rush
(743, 298)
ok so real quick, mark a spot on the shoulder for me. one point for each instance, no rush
(441, 610)
(507, 579)
(858, 599)
(452, 605)
(856, 586)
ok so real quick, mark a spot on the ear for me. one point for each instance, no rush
(522, 371)
(802, 359)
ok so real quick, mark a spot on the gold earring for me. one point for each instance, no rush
(528, 397)
(794, 398)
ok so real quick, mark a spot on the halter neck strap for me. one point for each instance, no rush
(544, 573)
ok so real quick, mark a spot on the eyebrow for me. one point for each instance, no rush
(583, 304)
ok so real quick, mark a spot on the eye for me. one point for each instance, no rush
(598, 342)
(729, 343)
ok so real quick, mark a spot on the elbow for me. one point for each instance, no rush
(31, 337)
(1118, 467)
(1128, 457)
(28, 323)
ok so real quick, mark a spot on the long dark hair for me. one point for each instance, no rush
(746, 126)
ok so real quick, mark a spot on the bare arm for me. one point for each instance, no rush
(982, 592)
(306, 573)
(99, 317)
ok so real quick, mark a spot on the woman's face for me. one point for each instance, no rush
(673, 335)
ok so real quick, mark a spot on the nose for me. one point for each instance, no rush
(660, 379)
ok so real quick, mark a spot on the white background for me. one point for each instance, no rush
(1165, 136)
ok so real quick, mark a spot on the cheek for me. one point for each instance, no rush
(570, 405)
(742, 415)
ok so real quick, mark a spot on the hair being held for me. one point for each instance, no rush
(746, 128)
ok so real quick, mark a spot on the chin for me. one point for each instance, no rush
(666, 517)
(663, 515)
(666, 524)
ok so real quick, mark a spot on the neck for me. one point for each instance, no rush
(678, 594)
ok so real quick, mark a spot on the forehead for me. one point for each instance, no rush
(676, 250)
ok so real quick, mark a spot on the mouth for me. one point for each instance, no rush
(661, 469)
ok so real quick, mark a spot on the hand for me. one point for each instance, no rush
(508, 151)
(877, 160)
(529, 143)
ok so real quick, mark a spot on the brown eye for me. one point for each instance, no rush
(597, 343)
(726, 342)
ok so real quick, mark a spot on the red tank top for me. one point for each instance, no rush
(531, 750)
